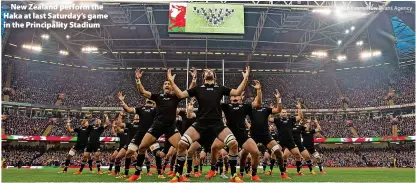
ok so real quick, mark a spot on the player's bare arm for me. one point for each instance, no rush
(318, 127)
(107, 121)
(194, 77)
(190, 109)
(278, 101)
(68, 126)
(258, 100)
(139, 85)
(242, 86)
(178, 92)
(125, 106)
(300, 113)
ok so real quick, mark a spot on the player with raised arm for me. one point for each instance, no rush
(308, 143)
(209, 120)
(94, 144)
(164, 122)
(284, 125)
(260, 129)
(118, 129)
(143, 120)
(297, 131)
(235, 114)
(83, 133)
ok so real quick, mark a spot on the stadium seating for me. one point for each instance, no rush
(37, 84)
(357, 156)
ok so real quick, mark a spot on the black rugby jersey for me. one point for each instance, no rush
(236, 115)
(308, 138)
(284, 127)
(95, 133)
(209, 100)
(123, 136)
(147, 116)
(297, 130)
(259, 120)
(166, 105)
(83, 133)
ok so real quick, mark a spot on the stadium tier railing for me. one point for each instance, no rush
(162, 139)
(289, 110)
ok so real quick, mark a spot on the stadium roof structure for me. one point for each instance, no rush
(278, 35)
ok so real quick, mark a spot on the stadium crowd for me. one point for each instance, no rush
(357, 156)
(37, 84)
(332, 126)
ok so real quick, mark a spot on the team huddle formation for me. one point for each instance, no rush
(217, 127)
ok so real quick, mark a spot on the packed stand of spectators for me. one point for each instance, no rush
(56, 155)
(23, 125)
(366, 126)
(332, 125)
(19, 155)
(369, 87)
(352, 156)
(37, 83)
(360, 157)
(59, 127)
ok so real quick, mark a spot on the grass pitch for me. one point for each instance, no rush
(333, 175)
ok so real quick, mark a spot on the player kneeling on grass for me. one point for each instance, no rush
(93, 145)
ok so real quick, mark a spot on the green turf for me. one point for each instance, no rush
(334, 175)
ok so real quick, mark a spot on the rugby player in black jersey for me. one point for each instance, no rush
(188, 120)
(219, 155)
(260, 129)
(164, 121)
(144, 117)
(235, 114)
(83, 133)
(93, 145)
(267, 155)
(118, 129)
(284, 125)
(209, 121)
(308, 143)
(297, 130)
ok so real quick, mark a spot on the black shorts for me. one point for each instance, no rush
(264, 139)
(158, 129)
(93, 147)
(137, 139)
(206, 142)
(311, 150)
(122, 146)
(300, 146)
(209, 129)
(79, 147)
(241, 136)
(166, 146)
(287, 144)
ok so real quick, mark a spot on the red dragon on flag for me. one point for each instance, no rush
(177, 17)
